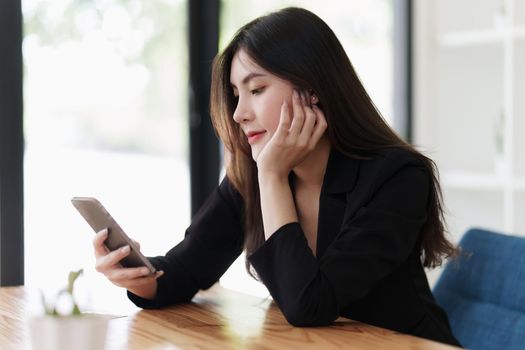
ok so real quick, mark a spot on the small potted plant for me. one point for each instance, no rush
(67, 328)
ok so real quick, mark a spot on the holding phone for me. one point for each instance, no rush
(98, 218)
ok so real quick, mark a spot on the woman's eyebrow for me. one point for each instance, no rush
(247, 78)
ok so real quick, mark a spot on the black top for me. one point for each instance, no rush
(368, 261)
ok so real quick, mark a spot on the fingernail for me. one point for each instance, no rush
(295, 94)
(144, 271)
(125, 249)
(159, 273)
(104, 232)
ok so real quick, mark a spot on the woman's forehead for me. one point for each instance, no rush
(242, 65)
(244, 68)
(245, 59)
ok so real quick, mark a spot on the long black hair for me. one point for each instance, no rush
(296, 45)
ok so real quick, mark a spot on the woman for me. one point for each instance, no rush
(338, 215)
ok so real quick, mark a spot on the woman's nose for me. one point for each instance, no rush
(242, 114)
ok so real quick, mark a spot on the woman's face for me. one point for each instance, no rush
(260, 96)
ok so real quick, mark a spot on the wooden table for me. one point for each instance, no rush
(217, 319)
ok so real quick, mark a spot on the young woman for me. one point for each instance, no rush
(338, 215)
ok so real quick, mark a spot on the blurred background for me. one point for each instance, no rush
(108, 112)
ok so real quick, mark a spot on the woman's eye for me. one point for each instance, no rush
(256, 91)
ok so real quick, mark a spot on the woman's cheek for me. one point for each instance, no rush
(277, 114)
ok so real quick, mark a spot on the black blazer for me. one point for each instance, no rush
(368, 262)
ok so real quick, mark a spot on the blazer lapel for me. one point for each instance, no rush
(339, 179)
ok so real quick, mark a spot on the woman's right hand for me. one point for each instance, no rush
(135, 279)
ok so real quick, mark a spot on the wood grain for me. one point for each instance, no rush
(216, 319)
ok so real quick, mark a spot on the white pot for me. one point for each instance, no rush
(85, 332)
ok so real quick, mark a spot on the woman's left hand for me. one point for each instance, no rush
(294, 138)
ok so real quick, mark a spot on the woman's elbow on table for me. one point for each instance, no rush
(310, 315)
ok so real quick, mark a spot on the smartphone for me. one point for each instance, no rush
(98, 218)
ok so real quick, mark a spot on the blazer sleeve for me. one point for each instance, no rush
(370, 245)
(211, 244)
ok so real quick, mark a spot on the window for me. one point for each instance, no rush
(105, 90)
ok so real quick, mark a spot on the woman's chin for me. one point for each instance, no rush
(255, 153)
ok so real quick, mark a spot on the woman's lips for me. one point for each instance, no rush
(252, 138)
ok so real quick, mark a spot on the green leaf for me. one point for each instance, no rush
(73, 275)
(76, 310)
(47, 309)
